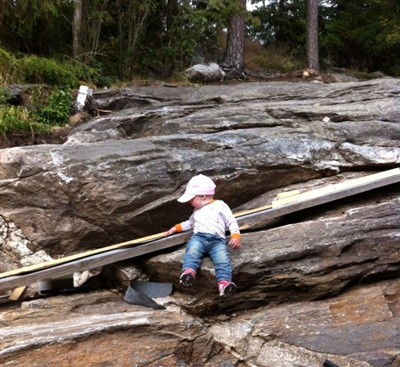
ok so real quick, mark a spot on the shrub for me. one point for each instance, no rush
(5, 95)
(47, 110)
(16, 120)
(281, 60)
(6, 66)
(58, 108)
(39, 70)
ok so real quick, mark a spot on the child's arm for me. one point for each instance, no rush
(235, 241)
(172, 230)
(231, 222)
(181, 227)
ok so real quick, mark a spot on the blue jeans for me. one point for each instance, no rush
(202, 244)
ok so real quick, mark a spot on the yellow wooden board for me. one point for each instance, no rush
(17, 293)
(286, 194)
(47, 264)
(297, 196)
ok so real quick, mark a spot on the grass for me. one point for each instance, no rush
(17, 120)
(271, 59)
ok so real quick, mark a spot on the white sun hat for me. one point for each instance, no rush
(198, 185)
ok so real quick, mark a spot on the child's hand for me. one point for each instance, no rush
(171, 231)
(235, 243)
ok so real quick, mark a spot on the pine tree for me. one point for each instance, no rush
(76, 28)
(234, 55)
(312, 36)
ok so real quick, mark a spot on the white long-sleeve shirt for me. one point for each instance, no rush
(213, 218)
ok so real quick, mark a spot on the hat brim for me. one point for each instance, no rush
(185, 198)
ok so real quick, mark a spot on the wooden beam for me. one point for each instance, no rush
(246, 219)
(91, 262)
(17, 293)
(52, 263)
(340, 190)
(324, 195)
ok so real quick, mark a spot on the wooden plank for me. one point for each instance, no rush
(342, 189)
(31, 268)
(286, 194)
(246, 219)
(325, 195)
(94, 261)
(17, 293)
(251, 211)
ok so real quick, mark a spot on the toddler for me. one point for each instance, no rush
(209, 221)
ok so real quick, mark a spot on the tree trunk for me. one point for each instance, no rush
(234, 55)
(312, 36)
(76, 28)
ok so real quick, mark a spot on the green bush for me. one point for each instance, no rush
(58, 108)
(7, 62)
(46, 111)
(5, 95)
(280, 61)
(39, 70)
(17, 120)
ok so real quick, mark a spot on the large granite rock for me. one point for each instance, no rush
(118, 175)
(357, 329)
(314, 285)
(360, 328)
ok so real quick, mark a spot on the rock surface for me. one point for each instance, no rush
(302, 261)
(118, 174)
(318, 284)
(358, 329)
(362, 325)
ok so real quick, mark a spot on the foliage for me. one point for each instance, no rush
(16, 120)
(156, 38)
(58, 108)
(280, 23)
(388, 39)
(5, 95)
(278, 60)
(349, 36)
(359, 34)
(123, 39)
(6, 66)
(40, 27)
(39, 70)
(47, 108)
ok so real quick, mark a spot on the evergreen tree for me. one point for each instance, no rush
(41, 27)
(234, 55)
(312, 36)
(123, 38)
(363, 34)
(76, 28)
(282, 23)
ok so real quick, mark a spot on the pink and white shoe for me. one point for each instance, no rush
(187, 277)
(226, 288)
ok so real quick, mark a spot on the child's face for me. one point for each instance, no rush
(199, 201)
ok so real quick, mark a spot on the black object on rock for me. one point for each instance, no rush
(329, 364)
(141, 293)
